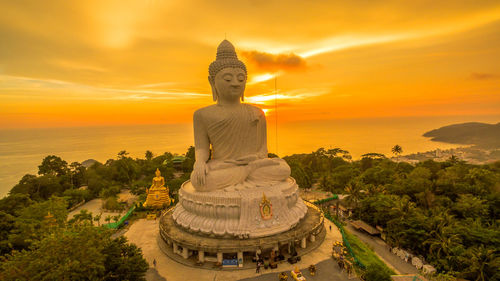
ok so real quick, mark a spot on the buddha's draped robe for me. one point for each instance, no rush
(235, 134)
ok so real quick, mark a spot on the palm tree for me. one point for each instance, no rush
(441, 242)
(372, 189)
(397, 150)
(83, 216)
(97, 218)
(353, 190)
(479, 260)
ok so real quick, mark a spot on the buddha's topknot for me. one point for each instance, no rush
(226, 57)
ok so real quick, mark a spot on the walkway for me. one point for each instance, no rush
(145, 233)
(95, 207)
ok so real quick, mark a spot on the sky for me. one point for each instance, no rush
(85, 63)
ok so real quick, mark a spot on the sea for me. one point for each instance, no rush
(22, 150)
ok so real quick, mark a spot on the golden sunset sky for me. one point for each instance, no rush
(79, 63)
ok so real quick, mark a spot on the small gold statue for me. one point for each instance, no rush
(157, 194)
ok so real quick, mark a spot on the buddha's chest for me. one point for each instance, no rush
(242, 117)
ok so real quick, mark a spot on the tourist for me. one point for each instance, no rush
(154, 263)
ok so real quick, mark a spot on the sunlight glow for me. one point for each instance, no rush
(261, 78)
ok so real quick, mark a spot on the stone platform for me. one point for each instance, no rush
(191, 248)
(239, 212)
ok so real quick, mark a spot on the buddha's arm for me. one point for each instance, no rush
(202, 150)
(262, 152)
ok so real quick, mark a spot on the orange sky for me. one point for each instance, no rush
(73, 63)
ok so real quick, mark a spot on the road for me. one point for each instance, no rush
(383, 251)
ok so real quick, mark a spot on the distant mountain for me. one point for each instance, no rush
(480, 134)
(89, 162)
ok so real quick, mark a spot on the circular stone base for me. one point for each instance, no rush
(184, 246)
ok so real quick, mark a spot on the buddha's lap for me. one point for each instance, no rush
(228, 176)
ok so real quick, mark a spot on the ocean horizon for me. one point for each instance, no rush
(22, 150)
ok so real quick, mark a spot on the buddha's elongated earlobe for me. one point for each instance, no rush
(243, 96)
(211, 80)
(214, 94)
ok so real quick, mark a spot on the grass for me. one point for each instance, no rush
(366, 255)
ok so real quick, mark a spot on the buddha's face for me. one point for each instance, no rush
(230, 84)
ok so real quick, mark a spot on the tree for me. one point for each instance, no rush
(30, 225)
(149, 155)
(481, 264)
(374, 155)
(15, 203)
(7, 224)
(77, 253)
(97, 218)
(469, 206)
(354, 194)
(397, 150)
(123, 261)
(299, 174)
(342, 175)
(122, 154)
(77, 172)
(84, 217)
(53, 165)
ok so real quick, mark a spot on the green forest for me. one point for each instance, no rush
(447, 212)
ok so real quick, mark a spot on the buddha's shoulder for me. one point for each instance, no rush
(205, 110)
(255, 109)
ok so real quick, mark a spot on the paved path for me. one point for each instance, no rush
(145, 233)
(383, 251)
(327, 270)
(95, 207)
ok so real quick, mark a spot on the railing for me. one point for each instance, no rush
(342, 231)
(321, 201)
(115, 225)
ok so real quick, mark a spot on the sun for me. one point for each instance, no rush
(265, 111)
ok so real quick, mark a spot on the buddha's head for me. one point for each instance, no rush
(227, 74)
(158, 173)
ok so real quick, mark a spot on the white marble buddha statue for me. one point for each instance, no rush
(235, 189)
(235, 131)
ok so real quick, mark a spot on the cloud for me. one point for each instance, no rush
(484, 76)
(70, 90)
(292, 95)
(271, 62)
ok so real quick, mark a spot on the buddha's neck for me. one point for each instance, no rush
(229, 104)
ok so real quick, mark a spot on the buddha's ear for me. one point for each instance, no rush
(243, 96)
(211, 80)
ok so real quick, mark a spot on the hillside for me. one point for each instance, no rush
(480, 134)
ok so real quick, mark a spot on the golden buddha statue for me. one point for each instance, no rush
(157, 194)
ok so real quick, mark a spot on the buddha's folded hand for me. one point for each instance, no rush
(200, 171)
(264, 162)
(243, 160)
